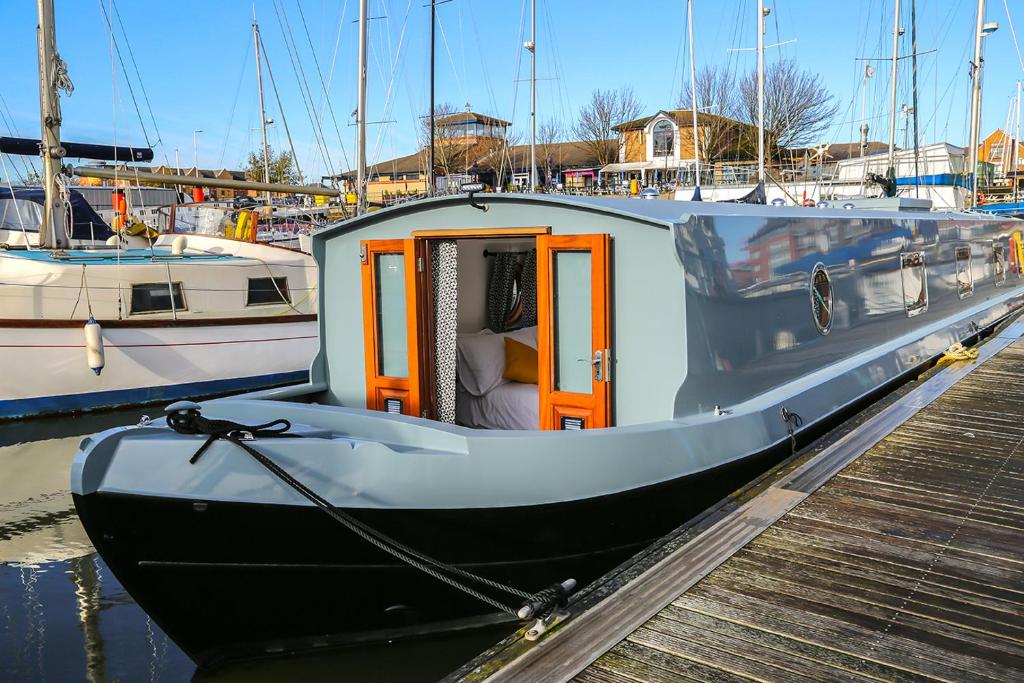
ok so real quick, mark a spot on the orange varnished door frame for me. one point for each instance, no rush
(380, 387)
(594, 408)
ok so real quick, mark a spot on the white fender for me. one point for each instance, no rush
(179, 245)
(94, 345)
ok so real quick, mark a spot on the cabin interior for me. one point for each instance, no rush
(488, 329)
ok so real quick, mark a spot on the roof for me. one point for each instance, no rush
(682, 117)
(410, 163)
(656, 212)
(464, 116)
(848, 150)
(564, 155)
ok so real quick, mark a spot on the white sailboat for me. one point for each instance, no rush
(90, 319)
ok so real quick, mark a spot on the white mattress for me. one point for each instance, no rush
(512, 405)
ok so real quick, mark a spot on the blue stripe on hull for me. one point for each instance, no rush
(31, 407)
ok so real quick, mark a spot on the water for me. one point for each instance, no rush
(64, 617)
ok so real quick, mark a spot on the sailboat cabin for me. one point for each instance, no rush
(531, 312)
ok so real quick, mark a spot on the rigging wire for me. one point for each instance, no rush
(388, 96)
(280, 111)
(323, 85)
(138, 76)
(8, 119)
(234, 103)
(124, 70)
(1013, 32)
(307, 101)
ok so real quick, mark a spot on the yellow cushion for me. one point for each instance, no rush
(520, 362)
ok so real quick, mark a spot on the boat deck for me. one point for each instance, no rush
(108, 256)
(893, 552)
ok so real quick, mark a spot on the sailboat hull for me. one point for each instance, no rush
(148, 363)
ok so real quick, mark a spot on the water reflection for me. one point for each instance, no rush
(65, 617)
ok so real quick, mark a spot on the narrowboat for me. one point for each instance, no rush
(526, 388)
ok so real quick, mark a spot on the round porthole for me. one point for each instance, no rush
(821, 298)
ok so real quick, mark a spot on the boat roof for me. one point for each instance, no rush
(657, 212)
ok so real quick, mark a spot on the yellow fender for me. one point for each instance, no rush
(243, 221)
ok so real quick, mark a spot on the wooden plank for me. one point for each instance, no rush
(600, 675)
(879, 619)
(743, 657)
(797, 647)
(967, 535)
(650, 664)
(466, 233)
(988, 573)
(910, 597)
(922, 576)
(835, 632)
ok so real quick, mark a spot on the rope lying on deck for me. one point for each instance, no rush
(184, 418)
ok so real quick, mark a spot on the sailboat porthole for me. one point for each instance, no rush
(821, 298)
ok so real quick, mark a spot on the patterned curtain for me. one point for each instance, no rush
(444, 258)
(512, 291)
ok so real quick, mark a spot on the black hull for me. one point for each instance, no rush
(229, 581)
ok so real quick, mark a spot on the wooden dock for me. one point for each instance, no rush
(895, 552)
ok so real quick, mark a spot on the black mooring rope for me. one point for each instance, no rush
(793, 422)
(189, 421)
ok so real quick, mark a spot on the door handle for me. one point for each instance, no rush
(602, 372)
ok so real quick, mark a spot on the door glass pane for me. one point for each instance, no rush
(393, 360)
(572, 334)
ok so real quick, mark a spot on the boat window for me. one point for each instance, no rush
(392, 342)
(268, 290)
(155, 297)
(915, 282)
(821, 298)
(662, 136)
(998, 264)
(572, 329)
(964, 276)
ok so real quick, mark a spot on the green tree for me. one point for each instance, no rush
(282, 167)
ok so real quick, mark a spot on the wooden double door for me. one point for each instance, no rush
(574, 351)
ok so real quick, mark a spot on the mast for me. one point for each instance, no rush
(976, 103)
(361, 114)
(532, 47)
(430, 161)
(693, 100)
(263, 111)
(1016, 145)
(762, 13)
(892, 87)
(913, 61)
(51, 67)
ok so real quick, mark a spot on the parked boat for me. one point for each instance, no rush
(104, 327)
(525, 428)
(940, 179)
(95, 317)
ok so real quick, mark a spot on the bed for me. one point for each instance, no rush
(484, 398)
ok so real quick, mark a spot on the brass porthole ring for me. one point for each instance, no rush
(821, 298)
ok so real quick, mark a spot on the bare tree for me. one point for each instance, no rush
(606, 109)
(797, 106)
(718, 108)
(448, 153)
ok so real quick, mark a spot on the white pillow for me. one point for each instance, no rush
(481, 361)
(481, 358)
(525, 335)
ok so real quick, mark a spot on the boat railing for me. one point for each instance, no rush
(224, 219)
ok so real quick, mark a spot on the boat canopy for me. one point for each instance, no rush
(86, 224)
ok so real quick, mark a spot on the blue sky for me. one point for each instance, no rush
(196, 63)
